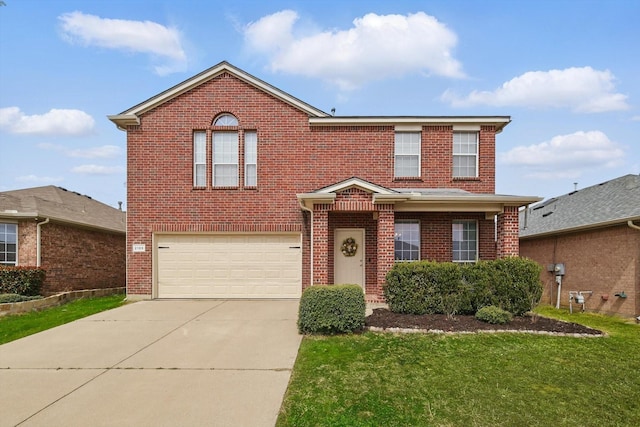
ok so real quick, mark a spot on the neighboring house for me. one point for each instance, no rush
(595, 233)
(78, 241)
(237, 189)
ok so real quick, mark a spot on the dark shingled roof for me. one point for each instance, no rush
(61, 205)
(612, 202)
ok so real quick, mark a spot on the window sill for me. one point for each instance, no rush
(408, 178)
(465, 178)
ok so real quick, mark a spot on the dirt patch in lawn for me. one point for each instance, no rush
(383, 319)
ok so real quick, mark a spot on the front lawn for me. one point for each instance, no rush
(17, 326)
(507, 379)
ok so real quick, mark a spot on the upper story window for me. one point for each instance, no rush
(8, 244)
(465, 241)
(465, 154)
(407, 240)
(225, 159)
(200, 159)
(225, 153)
(407, 155)
(250, 159)
(225, 120)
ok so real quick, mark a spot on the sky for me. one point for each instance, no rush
(567, 72)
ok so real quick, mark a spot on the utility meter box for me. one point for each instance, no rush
(558, 269)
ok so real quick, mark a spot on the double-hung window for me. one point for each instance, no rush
(225, 159)
(199, 159)
(407, 241)
(465, 241)
(465, 154)
(8, 244)
(250, 159)
(407, 155)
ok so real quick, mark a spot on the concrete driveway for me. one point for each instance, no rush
(154, 363)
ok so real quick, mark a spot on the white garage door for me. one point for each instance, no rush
(229, 266)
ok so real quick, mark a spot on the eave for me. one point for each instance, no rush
(578, 228)
(38, 216)
(498, 121)
(132, 115)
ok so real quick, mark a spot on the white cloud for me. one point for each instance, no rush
(97, 170)
(635, 118)
(38, 179)
(566, 156)
(583, 90)
(135, 36)
(54, 122)
(103, 152)
(375, 48)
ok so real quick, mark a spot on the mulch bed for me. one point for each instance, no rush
(383, 319)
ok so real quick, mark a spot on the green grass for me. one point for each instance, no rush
(17, 326)
(469, 380)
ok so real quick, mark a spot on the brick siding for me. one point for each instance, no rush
(293, 158)
(605, 261)
(73, 258)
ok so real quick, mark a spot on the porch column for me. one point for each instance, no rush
(386, 246)
(508, 243)
(320, 245)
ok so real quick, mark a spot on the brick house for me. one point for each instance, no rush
(237, 189)
(79, 241)
(595, 233)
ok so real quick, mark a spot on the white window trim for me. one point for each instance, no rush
(15, 264)
(477, 155)
(196, 164)
(395, 156)
(214, 163)
(246, 164)
(409, 221)
(477, 248)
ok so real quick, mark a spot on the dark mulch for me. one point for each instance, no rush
(383, 318)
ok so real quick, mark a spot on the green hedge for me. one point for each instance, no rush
(494, 315)
(426, 287)
(331, 309)
(21, 280)
(7, 298)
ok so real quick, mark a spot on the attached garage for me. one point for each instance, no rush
(228, 265)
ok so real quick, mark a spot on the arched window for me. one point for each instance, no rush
(225, 152)
(225, 120)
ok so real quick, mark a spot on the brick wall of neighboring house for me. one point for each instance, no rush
(605, 261)
(293, 157)
(76, 258)
(27, 252)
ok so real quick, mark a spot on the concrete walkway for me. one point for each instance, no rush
(154, 363)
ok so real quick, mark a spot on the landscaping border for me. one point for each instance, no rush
(55, 300)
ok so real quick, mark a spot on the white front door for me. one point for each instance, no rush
(349, 256)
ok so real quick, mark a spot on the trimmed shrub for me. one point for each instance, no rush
(8, 298)
(331, 309)
(425, 287)
(517, 286)
(21, 280)
(494, 315)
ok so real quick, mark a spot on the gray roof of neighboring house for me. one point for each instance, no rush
(61, 205)
(612, 202)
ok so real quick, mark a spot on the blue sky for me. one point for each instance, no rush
(565, 71)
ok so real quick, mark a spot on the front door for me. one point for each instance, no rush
(349, 256)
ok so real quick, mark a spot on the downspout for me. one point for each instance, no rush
(304, 208)
(38, 256)
(632, 225)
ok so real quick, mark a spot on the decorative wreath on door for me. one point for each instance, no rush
(349, 247)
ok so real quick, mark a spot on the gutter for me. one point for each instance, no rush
(632, 225)
(38, 245)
